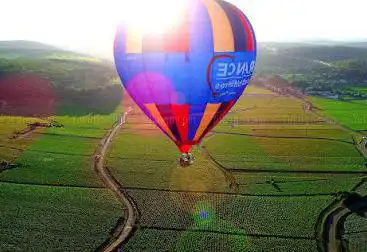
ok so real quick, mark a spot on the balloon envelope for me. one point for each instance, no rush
(189, 77)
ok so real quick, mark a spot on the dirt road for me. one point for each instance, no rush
(132, 212)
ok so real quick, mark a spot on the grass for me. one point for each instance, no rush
(244, 152)
(355, 233)
(350, 114)
(63, 156)
(277, 216)
(256, 217)
(147, 159)
(169, 240)
(270, 109)
(52, 217)
(10, 149)
(290, 184)
(296, 131)
(182, 209)
(48, 218)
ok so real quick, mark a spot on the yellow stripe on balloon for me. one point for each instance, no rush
(134, 40)
(222, 29)
(210, 111)
(152, 108)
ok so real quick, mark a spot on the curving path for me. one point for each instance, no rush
(330, 225)
(130, 223)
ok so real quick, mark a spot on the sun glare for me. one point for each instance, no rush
(158, 16)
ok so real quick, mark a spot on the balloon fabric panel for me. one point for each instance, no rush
(187, 79)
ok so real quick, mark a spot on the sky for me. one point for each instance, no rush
(89, 25)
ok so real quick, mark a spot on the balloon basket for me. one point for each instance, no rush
(186, 159)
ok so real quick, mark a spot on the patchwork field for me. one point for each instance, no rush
(54, 218)
(62, 156)
(287, 172)
(52, 199)
(9, 149)
(264, 151)
(260, 181)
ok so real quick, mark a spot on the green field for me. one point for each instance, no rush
(147, 159)
(249, 152)
(273, 157)
(62, 156)
(48, 203)
(355, 233)
(263, 109)
(236, 222)
(350, 114)
(9, 148)
(45, 218)
(259, 215)
(276, 142)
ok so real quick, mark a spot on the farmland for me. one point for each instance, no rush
(262, 179)
(62, 156)
(55, 218)
(350, 114)
(51, 198)
(287, 172)
(54, 186)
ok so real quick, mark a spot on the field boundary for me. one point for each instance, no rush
(239, 233)
(284, 137)
(234, 194)
(50, 185)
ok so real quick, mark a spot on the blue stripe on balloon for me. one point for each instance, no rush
(200, 53)
(240, 38)
(201, 31)
(196, 114)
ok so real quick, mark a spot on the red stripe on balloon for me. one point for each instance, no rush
(181, 115)
(248, 30)
(170, 120)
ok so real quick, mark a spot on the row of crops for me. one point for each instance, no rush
(53, 200)
(273, 208)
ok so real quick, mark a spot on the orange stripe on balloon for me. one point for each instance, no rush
(134, 41)
(210, 111)
(152, 108)
(222, 29)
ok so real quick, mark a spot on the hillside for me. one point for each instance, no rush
(29, 70)
(337, 67)
(35, 50)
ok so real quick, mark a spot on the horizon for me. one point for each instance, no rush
(90, 27)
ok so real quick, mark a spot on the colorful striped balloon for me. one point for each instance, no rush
(188, 78)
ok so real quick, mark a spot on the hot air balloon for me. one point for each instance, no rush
(187, 78)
